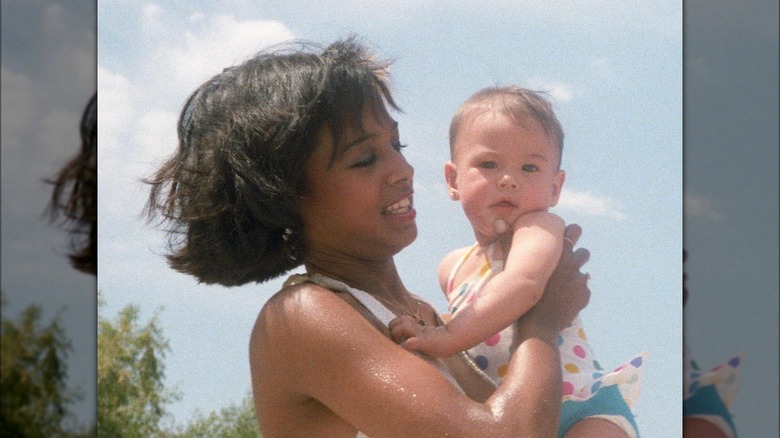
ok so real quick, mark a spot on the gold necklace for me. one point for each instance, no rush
(415, 315)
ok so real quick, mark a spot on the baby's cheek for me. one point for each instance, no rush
(479, 217)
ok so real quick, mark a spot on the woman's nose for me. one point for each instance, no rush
(401, 171)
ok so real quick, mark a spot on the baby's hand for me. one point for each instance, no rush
(404, 328)
(433, 341)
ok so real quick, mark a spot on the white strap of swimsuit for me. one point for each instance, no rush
(456, 268)
(372, 304)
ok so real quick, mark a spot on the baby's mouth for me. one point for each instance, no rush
(401, 207)
(504, 204)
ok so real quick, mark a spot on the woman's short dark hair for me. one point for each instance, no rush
(230, 192)
(74, 197)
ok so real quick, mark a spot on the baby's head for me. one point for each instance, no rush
(231, 191)
(505, 146)
(523, 106)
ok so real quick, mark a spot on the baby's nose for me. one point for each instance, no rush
(508, 182)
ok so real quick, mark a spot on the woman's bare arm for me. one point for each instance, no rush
(310, 346)
(338, 358)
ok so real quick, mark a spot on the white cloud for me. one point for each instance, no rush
(219, 41)
(122, 160)
(54, 15)
(18, 107)
(79, 63)
(559, 91)
(602, 66)
(118, 156)
(695, 205)
(57, 133)
(151, 15)
(589, 204)
(138, 113)
(155, 136)
(116, 110)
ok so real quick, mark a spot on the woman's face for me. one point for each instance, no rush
(358, 201)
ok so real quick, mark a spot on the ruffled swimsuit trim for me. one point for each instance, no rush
(709, 394)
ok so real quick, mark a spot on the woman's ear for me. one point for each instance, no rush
(451, 176)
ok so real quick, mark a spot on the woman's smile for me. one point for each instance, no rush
(403, 206)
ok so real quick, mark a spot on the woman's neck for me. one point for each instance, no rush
(376, 278)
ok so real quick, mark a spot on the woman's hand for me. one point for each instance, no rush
(564, 296)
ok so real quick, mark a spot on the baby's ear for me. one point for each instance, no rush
(557, 186)
(451, 176)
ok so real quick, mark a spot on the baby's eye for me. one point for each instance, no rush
(530, 168)
(488, 165)
(397, 145)
(365, 160)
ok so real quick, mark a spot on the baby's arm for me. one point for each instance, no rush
(537, 242)
(404, 327)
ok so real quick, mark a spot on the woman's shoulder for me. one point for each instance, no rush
(300, 315)
(304, 322)
(297, 300)
(304, 309)
(289, 333)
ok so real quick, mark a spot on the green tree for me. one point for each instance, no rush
(33, 371)
(132, 399)
(235, 421)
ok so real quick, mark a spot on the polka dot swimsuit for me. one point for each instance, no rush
(583, 375)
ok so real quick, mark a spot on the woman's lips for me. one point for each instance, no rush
(403, 206)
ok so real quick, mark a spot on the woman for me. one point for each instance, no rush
(290, 159)
(74, 197)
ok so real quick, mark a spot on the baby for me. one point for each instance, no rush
(505, 146)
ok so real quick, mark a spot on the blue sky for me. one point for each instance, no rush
(731, 198)
(615, 71)
(48, 76)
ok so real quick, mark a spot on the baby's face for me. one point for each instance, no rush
(502, 169)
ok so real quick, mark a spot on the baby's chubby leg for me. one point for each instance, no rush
(700, 428)
(595, 427)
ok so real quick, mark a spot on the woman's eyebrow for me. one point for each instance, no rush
(360, 139)
(339, 151)
(365, 136)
